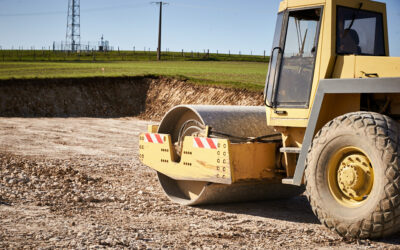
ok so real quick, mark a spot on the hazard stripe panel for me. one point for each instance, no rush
(153, 138)
(202, 142)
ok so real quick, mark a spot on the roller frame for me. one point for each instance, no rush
(228, 163)
(198, 176)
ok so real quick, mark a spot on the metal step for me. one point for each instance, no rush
(290, 150)
(287, 181)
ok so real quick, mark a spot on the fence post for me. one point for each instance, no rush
(183, 54)
(264, 54)
(208, 53)
(229, 53)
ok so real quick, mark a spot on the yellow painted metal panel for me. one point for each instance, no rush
(304, 4)
(288, 122)
(291, 118)
(344, 67)
(335, 105)
(283, 5)
(228, 163)
(200, 164)
(152, 128)
(292, 4)
(253, 161)
(366, 66)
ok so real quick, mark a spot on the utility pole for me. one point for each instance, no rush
(159, 29)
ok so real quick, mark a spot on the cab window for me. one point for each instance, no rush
(359, 32)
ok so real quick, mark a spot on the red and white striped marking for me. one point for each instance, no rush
(202, 142)
(153, 138)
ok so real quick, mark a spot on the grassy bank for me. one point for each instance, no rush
(250, 75)
(96, 56)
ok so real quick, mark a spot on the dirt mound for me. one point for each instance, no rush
(146, 97)
(163, 94)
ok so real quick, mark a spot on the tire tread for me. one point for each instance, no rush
(385, 220)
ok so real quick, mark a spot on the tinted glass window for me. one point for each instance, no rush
(359, 32)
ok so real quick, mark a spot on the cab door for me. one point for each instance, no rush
(292, 59)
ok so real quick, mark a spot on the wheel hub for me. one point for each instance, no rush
(348, 177)
(351, 176)
(353, 173)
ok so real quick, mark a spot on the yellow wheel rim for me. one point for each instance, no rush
(350, 176)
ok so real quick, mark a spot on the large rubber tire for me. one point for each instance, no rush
(379, 137)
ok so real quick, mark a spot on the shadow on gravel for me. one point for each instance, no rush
(395, 239)
(296, 209)
(5, 203)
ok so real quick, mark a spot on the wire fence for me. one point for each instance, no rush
(51, 54)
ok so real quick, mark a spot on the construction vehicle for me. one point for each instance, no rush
(330, 125)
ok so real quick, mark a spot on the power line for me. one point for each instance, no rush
(99, 9)
(34, 14)
(159, 29)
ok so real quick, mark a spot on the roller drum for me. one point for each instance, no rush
(242, 121)
(198, 193)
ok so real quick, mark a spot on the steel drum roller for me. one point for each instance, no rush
(240, 121)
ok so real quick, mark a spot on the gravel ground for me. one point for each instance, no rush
(77, 183)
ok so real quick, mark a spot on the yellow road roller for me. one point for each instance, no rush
(330, 125)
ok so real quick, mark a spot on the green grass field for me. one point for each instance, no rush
(96, 56)
(250, 75)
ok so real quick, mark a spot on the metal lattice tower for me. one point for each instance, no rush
(73, 37)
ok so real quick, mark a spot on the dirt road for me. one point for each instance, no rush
(77, 183)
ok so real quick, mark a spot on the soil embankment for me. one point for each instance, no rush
(146, 97)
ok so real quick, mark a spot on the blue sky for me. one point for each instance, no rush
(235, 25)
